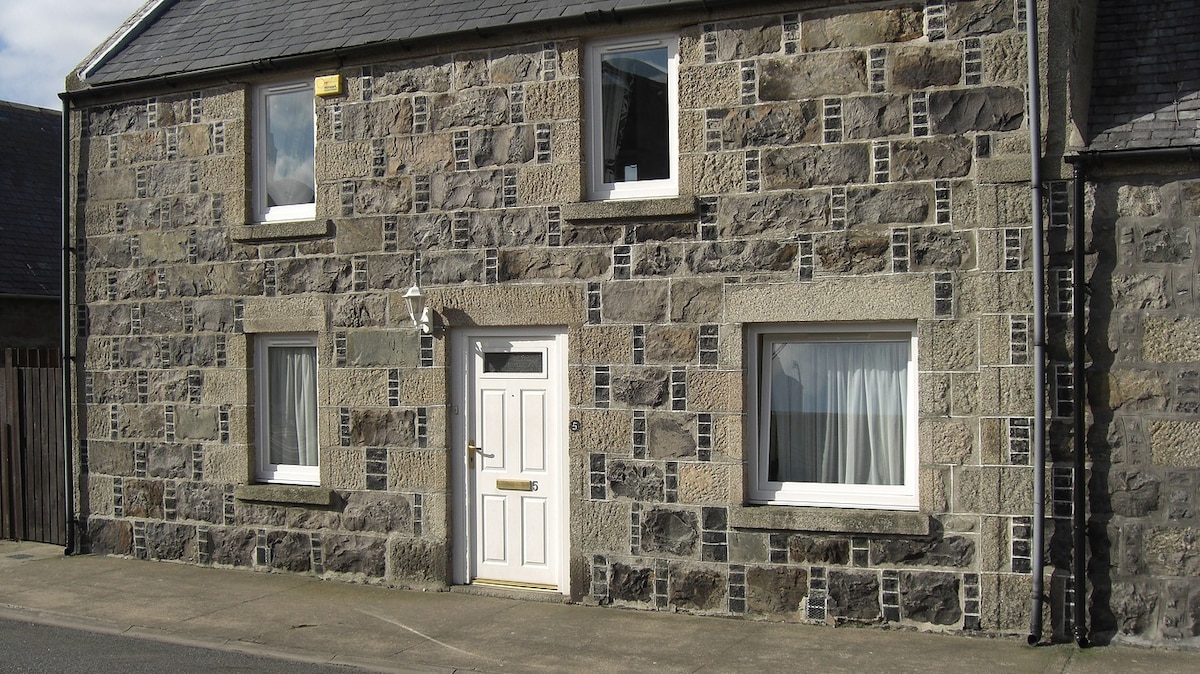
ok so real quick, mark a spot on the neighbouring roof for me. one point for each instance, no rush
(1146, 75)
(187, 36)
(30, 200)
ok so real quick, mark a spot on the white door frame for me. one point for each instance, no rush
(462, 488)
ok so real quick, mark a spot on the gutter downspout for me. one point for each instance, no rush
(1039, 328)
(64, 316)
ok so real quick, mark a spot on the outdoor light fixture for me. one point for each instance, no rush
(417, 311)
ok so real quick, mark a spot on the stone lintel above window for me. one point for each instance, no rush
(629, 209)
(829, 520)
(284, 493)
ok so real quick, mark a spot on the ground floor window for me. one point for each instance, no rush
(834, 420)
(285, 370)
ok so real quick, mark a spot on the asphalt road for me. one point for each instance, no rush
(26, 647)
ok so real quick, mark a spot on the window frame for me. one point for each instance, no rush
(265, 470)
(598, 190)
(262, 211)
(762, 490)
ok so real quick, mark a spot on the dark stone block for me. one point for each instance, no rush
(1134, 493)
(780, 124)
(670, 435)
(384, 513)
(715, 519)
(920, 67)
(167, 540)
(290, 550)
(143, 498)
(700, 589)
(1166, 245)
(854, 253)
(674, 532)
(941, 249)
(201, 501)
(382, 428)
(234, 547)
(638, 481)
(870, 206)
(930, 597)
(354, 554)
(776, 589)
(952, 551)
(109, 537)
(805, 549)
(854, 595)
(641, 387)
(629, 584)
(419, 561)
(961, 111)
(930, 159)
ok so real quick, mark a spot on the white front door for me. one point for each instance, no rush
(512, 457)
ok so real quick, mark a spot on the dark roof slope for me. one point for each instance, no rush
(185, 36)
(1146, 76)
(30, 200)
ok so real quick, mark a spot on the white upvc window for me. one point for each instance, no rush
(284, 150)
(633, 117)
(285, 373)
(833, 419)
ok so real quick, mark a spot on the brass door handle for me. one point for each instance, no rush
(471, 451)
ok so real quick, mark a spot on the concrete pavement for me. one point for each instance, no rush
(382, 629)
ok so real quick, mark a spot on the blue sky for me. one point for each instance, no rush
(42, 40)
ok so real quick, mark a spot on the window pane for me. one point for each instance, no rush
(837, 412)
(289, 126)
(513, 363)
(292, 405)
(635, 105)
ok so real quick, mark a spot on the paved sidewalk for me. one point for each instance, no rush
(383, 629)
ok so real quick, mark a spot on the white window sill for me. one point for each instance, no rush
(829, 520)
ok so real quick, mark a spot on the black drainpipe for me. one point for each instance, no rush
(1039, 328)
(65, 318)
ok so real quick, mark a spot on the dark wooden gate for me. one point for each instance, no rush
(32, 475)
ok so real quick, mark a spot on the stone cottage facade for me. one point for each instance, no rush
(607, 403)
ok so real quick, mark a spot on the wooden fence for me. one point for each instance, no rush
(32, 473)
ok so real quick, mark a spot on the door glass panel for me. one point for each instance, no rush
(516, 362)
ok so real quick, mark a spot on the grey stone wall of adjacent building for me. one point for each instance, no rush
(1144, 401)
(836, 164)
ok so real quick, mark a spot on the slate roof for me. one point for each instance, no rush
(187, 36)
(30, 200)
(1146, 75)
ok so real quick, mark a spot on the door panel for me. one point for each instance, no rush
(514, 417)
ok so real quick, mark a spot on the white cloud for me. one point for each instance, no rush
(42, 40)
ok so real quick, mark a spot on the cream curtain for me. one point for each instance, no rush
(293, 405)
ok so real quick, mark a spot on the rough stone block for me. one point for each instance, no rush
(601, 526)
(343, 468)
(639, 481)
(775, 214)
(99, 495)
(860, 29)
(978, 17)
(930, 597)
(419, 470)
(377, 512)
(634, 301)
(464, 306)
(696, 300)
(641, 387)
(960, 111)
(418, 563)
(354, 554)
(231, 546)
(808, 166)
(1171, 340)
(918, 67)
(714, 390)
(170, 541)
(353, 387)
(630, 584)
(672, 532)
(289, 551)
(382, 427)
(946, 441)
(710, 483)
(869, 117)
(776, 590)
(196, 423)
(283, 314)
(697, 589)
(748, 548)
(1173, 443)
(227, 464)
(109, 537)
(854, 595)
(948, 345)
(810, 550)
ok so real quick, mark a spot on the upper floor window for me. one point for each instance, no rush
(633, 118)
(834, 416)
(284, 141)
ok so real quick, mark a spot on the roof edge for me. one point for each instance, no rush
(134, 25)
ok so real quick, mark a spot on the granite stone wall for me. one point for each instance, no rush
(859, 163)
